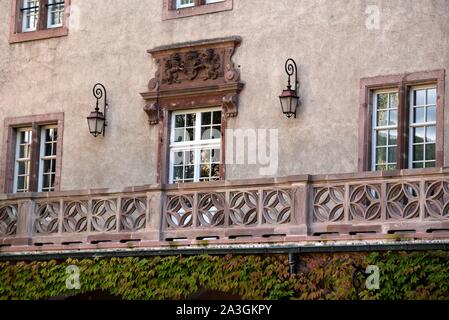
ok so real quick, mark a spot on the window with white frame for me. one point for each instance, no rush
(213, 1)
(23, 160)
(30, 15)
(195, 145)
(55, 14)
(422, 127)
(184, 3)
(47, 159)
(385, 130)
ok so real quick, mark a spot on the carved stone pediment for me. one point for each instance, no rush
(194, 74)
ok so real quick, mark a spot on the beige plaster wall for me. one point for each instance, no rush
(328, 39)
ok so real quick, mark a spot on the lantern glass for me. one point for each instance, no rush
(96, 122)
(289, 102)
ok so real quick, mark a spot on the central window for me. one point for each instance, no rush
(195, 145)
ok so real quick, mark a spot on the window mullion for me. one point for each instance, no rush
(403, 150)
(35, 157)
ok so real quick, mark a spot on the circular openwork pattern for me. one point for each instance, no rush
(403, 201)
(46, 221)
(211, 210)
(75, 217)
(437, 200)
(104, 215)
(179, 212)
(243, 208)
(365, 203)
(133, 217)
(8, 220)
(328, 204)
(277, 207)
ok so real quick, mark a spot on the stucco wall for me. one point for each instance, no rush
(328, 39)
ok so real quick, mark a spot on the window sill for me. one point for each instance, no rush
(38, 35)
(169, 12)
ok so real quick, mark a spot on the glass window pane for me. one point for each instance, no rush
(418, 165)
(432, 96)
(419, 135)
(431, 114)
(431, 164)
(179, 135)
(430, 151)
(20, 183)
(382, 101)
(217, 117)
(391, 167)
(191, 120)
(215, 170)
(393, 138)
(382, 118)
(431, 134)
(393, 117)
(418, 152)
(381, 167)
(47, 166)
(48, 149)
(382, 138)
(190, 135)
(205, 156)
(189, 172)
(419, 97)
(418, 115)
(46, 181)
(216, 155)
(205, 170)
(205, 133)
(216, 132)
(381, 155)
(393, 100)
(189, 157)
(177, 173)
(180, 121)
(392, 155)
(178, 158)
(22, 168)
(206, 118)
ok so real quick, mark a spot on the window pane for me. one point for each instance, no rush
(392, 155)
(418, 152)
(20, 183)
(418, 115)
(393, 138)
(382, 138)
(189, 157)
(431, 164)
(179, 135)
(24, 151)
(217, 117)
(215, 170)
(381, 167)
(47, 166)
(432, 96)
(393, 117)
(382, 101)
(430, 151)
(431, 134)
(419, 134)
(205, 170)
(206, 118)
(418, 165)
(205, 156)
(216, 132)
(46, 181)
(178, 158)
(420, 97)
(48, 149)
(190, 135)
(22, 168)
(381, 155)
(189, 172)
(191, 120)
(177, 173)
(391, 167)
(205, 133)
(216, 155)
(431, 114)
(382, 118)
(180, 121)
(394, 101)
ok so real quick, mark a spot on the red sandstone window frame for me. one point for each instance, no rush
(42, 32)
(403, 83)
(169, 10)
(35, 122)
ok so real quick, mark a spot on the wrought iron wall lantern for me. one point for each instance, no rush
(289, 97)
(97, 120)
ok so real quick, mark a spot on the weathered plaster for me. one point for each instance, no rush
(327, 38)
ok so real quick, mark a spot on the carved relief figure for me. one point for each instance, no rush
(172, 67)
(211, 62)
(195, 64)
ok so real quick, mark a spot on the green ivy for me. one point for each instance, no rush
(417, 275)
